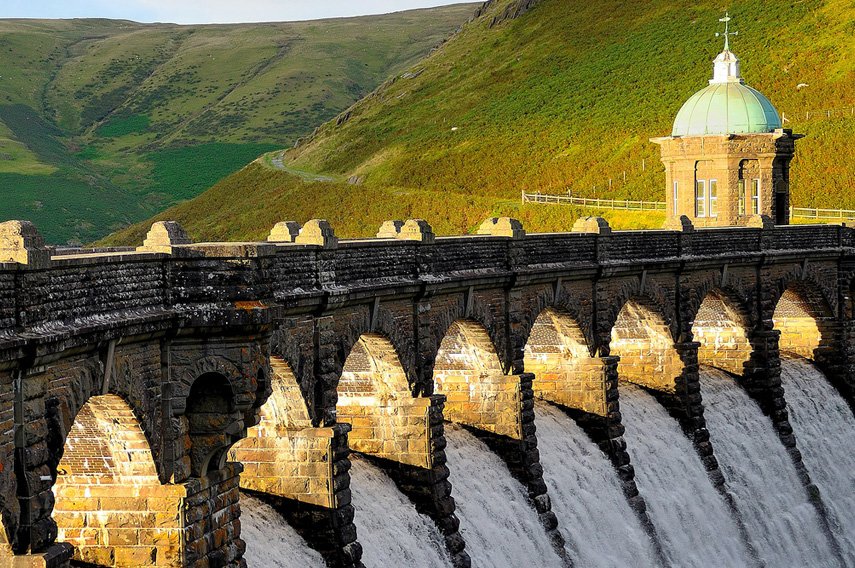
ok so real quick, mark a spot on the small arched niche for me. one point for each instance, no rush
(565, 373)
(110, 503)
(212, 421)
(720, 327)
(643, 341)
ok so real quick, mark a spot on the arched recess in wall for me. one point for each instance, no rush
(720, 327)
(643, 341)
(110, 503)
(374, 397)
(565, 373)
(212, 422)
(468, 371)
(804, 318)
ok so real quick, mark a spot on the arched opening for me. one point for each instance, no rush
(802, 316)
(110, 503)
(479, 393)
(643, 341)
(720, 327)
(294, 466)
(213, 423)
(374, 398)
(565, 373)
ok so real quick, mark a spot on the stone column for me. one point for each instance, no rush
(837, 360)
(762, 382)
(428, 487)
(523, 460)
(606, 430)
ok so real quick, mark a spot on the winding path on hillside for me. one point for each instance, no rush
(277, 162)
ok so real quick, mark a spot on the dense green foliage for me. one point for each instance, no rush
(564, 97)
(146, 115)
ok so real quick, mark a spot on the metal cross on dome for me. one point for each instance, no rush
(727, 33)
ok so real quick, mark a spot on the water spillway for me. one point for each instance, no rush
(499, 525)
(391, 531)
(825, 430)
(783, 524)
(587, 497)
(270, 541)
(695, 526)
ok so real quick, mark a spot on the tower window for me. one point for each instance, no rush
(755, 196)
(701, 198)
(675, 198)
(713, 195)
(741, 190)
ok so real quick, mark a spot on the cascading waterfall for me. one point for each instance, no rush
(598, 524)
(825, 430)
(694, 525)
(500, 527)
(783, 524)
(391, 531)
(270, 541)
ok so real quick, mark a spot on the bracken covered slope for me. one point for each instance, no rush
(549, 96)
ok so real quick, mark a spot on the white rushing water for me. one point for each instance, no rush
(390, 530)
(694, 525)
(270, 541)
(500, 527)
(600, 528)
(782, 523)
(825, 432)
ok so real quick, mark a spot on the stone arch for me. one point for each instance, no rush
(644, 342)
(558, 354)
(445, 317)
(468, 371)
(374, 398)
(805, 319)
(110, 503)
(569, 302)
(213, 422)
(283, 455)
(633, 291)
(720, 326)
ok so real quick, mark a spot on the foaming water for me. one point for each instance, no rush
(500, 527)
(825, 430)
(587, 497)
(694, 525)
(270, 541)
(391, 531)
(782, 523)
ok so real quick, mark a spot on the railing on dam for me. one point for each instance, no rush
(39, 288)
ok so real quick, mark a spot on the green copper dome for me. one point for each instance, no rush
(726, 106)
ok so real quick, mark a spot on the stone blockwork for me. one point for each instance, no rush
(110, 503)
(301, 469)
(184, 335)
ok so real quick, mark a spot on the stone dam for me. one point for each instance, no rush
(428, 385)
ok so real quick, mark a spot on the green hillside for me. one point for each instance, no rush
(564, 96)
(106, 122)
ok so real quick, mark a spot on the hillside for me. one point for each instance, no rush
(106, 122)
(564, 96)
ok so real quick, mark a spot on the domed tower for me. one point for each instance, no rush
(728, 157)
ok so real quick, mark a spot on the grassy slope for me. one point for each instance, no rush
(565, 96)
(105, 122)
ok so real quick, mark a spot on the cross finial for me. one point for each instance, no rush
(727, 33)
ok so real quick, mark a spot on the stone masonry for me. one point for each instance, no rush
(229, 365)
